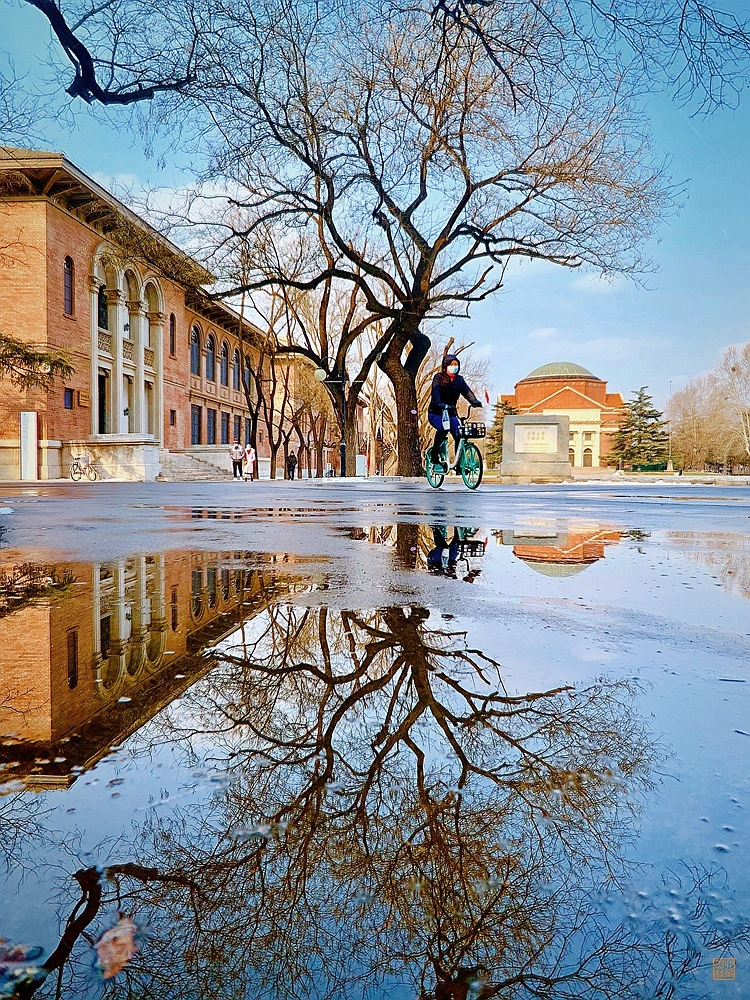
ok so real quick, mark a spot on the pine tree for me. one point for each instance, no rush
(642, 438)
(494, 441)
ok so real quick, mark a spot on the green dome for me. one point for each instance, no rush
(556, 568)
(557, 368)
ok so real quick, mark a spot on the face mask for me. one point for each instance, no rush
(452, 369)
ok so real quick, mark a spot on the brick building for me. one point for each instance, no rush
(158, 364)
(133, 629)
(565, 389)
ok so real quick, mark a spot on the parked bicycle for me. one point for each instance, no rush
(468, 459)
(81, 467)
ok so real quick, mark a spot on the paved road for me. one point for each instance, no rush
(107, 520)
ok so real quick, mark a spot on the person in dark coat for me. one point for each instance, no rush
(291, 465)
(447, 388)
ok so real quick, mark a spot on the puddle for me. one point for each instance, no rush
(230, 774)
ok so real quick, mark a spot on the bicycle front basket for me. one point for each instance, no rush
(472, 429)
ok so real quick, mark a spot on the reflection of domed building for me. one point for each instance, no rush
(560, 553)
(565, 389)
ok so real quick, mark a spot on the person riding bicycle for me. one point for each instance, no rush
(447, 387)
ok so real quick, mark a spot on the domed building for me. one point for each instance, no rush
(565, 389)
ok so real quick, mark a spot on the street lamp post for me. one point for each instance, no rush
(321, 375)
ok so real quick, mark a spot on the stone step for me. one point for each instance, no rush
(189, 468)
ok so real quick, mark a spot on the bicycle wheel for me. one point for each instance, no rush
(435, 479)
(471, 465)
(92, 473)
(75, 471)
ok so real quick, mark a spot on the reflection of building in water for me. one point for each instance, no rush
(83, 671)
(725, 556)
(559, 553)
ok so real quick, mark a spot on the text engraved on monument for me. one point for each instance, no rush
(539, 439)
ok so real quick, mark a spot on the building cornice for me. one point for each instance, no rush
(38, 174)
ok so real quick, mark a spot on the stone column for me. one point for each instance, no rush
(115, 299)
(138, 334)
(94, 284)
(157, 321)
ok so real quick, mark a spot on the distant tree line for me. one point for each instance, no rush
(710, 416)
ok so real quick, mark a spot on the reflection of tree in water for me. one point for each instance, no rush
(24, 583)
(727, 557)
(389, 817)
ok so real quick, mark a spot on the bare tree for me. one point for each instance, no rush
(425, 178)
(710, 415)
(122, 53)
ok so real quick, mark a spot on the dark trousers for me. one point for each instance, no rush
(436, 421)
(237, 468)
(290, 470)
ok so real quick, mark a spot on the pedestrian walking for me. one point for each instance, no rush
(237, 453)
(291, 465)
(249, 462)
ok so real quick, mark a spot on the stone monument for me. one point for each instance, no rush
(535, 446)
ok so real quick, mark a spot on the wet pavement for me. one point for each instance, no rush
(367, 740)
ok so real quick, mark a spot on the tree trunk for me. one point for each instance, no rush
(403, 376)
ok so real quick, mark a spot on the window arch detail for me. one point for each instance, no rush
(236, 371)
(224, 364)
(103, 312)
(69, 286)
(195, 351)
(211, 358)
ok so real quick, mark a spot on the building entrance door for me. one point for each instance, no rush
(195, 424)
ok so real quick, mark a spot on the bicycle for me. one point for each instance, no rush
(468, 457)
(81, 467)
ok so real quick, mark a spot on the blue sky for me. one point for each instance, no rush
(695, 305)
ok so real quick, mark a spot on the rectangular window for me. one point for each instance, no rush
(247, 430)
(172, 418)
(174, 609)
(210, 426)
(68, 399)
(72, 658)
(225, 428)
(238, 428)
(172, 335)
(588, 435)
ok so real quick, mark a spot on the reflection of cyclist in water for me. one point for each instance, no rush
(443, 558)
(447, 387)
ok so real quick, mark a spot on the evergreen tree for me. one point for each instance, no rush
(642, 438)
(494, 442)
(31, 367)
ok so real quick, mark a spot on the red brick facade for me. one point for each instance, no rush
(123, 307)
(565, 389)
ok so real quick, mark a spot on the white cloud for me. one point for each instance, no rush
(606, 349)
(596, 284)
(544, 333)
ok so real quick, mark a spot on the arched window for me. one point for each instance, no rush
(103, 320)
(588, 458)
(224, 364)
(571, 456)
(69, 274)
(236, 371)
(246, 378)
(195, 351)
(172, 335)
(211, 358)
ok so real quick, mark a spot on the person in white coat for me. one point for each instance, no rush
(250, 462)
